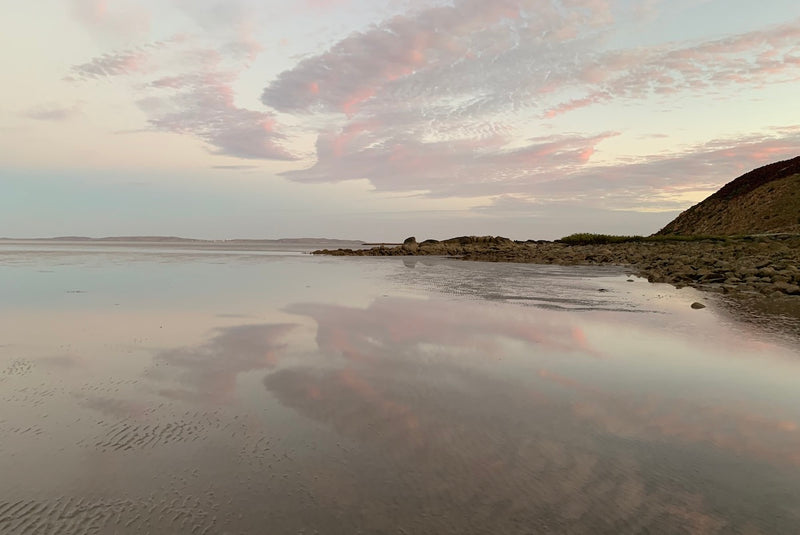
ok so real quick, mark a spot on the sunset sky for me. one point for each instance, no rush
(382, 119)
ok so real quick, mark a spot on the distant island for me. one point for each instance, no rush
(177, 240)
(744, 240)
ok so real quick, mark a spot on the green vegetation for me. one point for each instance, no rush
(587, 238)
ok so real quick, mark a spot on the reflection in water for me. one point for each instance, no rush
(405, 323)
(473, 452)
(371, 396)
(208, 373)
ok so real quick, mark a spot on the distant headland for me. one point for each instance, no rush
(177, 240)
(743, 239)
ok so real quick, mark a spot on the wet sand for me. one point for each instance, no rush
(173, 392)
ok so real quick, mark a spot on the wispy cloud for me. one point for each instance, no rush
(112, 21)
(754, 58)
(464, 98)
(444, 44)
(657, 183)
(112, 64)
(53, 112)
(203, 105)
(461, 168)
(187, 88)
(433, 101)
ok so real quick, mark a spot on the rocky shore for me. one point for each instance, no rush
(746, 266)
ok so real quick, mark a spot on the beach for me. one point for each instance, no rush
(168, 390)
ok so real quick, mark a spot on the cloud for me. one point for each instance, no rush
(112, 64)
(652, 180)
(204, 106)
(187, 88)
(234, 167)
(112, 20)
(230, 23)
(403, 53)
(460, 168)
(434, 101)
(453, 99)
(755, 58)
(639, 196)
(537, 49)
(54, 113)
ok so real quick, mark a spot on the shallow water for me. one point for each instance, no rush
(158, 390)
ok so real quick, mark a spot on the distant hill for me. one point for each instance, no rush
(763, 201)
(193, 241)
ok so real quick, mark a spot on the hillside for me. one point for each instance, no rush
(765, 200)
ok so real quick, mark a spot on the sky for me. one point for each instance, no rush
(382, 119)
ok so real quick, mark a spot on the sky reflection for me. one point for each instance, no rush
(376, 396)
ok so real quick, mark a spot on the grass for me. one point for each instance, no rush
(587, 238)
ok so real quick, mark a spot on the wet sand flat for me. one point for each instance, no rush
(150, 389)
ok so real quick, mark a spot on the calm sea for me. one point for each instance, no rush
(151, 388)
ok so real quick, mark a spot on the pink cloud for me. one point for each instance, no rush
(755, 58)
(188, 89)
(464, 167)
(363, 64)
(651, 182)
(420, 94)
(204, 106)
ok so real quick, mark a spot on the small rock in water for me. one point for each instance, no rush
(697, 305)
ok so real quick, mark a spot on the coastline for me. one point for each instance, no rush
(755, 266)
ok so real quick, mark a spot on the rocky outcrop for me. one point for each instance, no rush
(459, 246)
(765, 265)
(765, 200)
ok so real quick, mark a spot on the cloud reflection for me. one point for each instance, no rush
(501, 446)
(406, 325)
(208, 373)
(761, 434)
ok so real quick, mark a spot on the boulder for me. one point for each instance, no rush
(410, 245)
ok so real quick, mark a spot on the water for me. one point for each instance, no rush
(168, 390)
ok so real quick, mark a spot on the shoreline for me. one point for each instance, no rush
(756, 266)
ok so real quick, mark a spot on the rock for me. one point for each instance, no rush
(767, 271)
(410, 245)
(697, 305)
(787, 288)
(766, 265)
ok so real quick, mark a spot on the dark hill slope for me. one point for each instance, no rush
(765, 200)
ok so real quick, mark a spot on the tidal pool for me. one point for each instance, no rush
(158, 390)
